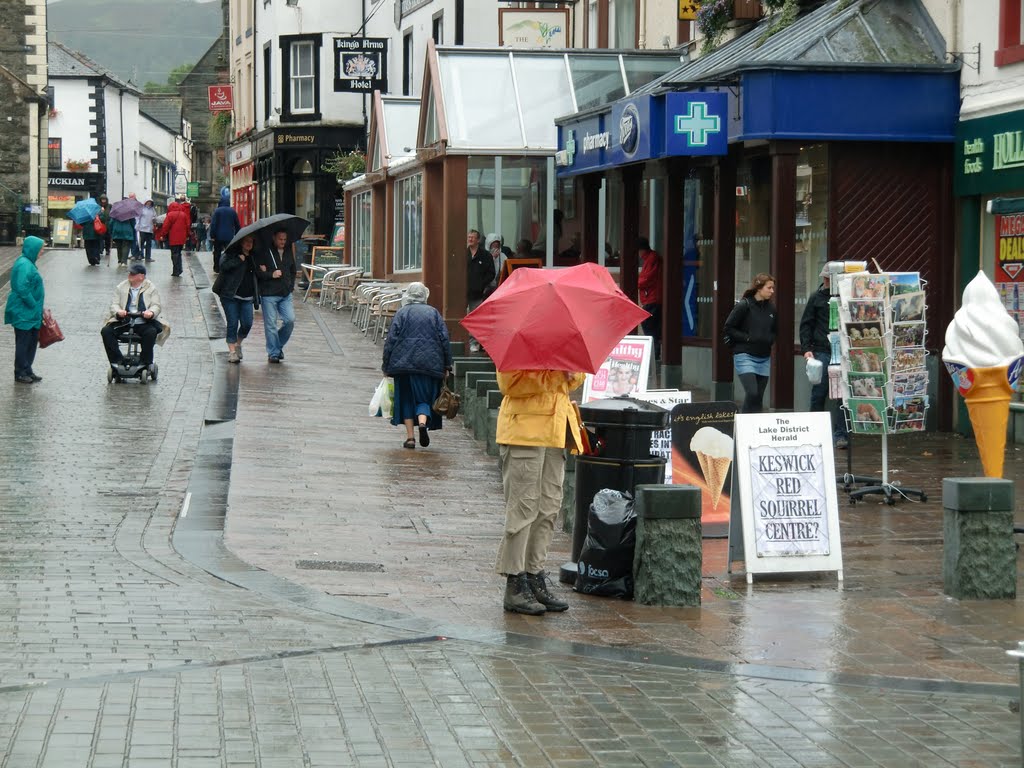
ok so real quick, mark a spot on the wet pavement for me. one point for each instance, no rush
(134, 633)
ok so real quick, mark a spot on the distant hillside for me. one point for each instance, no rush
(141, 40)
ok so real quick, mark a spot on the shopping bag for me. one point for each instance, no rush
(381, 403)
(98, 226)
(49, 331)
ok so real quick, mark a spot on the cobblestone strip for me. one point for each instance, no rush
(456, 705)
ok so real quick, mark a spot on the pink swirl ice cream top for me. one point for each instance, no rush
(982, 334)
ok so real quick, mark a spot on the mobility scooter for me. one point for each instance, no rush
(131, 367)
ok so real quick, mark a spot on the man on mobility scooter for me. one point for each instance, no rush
(132, 319)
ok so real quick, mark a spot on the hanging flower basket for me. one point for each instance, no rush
(713, 18)
(78, 165)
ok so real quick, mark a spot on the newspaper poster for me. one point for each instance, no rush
(661, 441)
(624, 372)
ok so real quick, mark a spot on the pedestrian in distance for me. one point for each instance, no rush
(536, 422)
(175, 230)
(93, 242)
(105, 218)
(239, 296)
(815, 345)
(649, 285)
(479, 274)
(224, 225)
(144, 228)
(498, 258)
(24, 309)
(123, 235)
(418, 356)
(275, 271)
(750, 331)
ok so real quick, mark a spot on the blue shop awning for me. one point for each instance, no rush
(867, 70)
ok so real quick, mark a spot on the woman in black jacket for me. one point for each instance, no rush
(418, 355)
(237, 288)
(750, 331)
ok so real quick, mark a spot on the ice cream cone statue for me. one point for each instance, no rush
(714, 452)
(984, 355)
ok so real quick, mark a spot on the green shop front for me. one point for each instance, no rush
(989, 185)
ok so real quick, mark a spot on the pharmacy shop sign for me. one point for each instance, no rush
(787, 484)
(990, 155)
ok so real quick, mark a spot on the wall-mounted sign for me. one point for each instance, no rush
(75, 180)
(264, 144)
(695, 124)
(284, 139)
(220, 98)
(635, 131)
(361, 64)
(240, 153)
(533, 28)
(989, 155)
(688, 10)
(192, 189)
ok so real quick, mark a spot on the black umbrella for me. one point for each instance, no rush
(263, 229)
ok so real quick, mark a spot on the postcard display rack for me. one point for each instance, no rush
(879, 366)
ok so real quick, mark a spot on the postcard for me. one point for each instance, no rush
(908, 334)
(866, 384)
(915, 383)
(907, 306)
(910, 408)
(867, 415)
(865, 334)
(904, 282)
(867, 360)
(866, 310)
(866, 286)
(907, 359)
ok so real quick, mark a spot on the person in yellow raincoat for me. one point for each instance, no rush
(536, 423)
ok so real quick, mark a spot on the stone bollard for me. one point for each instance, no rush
(979, 556)
(480, 410)
(494, 398)
(469, 395)
(569, 493)
(669, 556)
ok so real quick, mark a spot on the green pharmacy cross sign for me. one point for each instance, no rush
(698, 124)
(695, 123)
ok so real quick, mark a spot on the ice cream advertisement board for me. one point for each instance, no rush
(702, 456)
(785, 475)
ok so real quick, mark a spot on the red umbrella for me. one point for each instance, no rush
(554, 319)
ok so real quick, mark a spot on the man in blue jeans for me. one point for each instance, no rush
(814, 343)
(275, 270)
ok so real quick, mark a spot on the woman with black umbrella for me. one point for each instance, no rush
(236, 286)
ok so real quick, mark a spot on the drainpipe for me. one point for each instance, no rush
(641, 42)
(120, 117)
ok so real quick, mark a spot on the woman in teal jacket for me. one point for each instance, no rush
(123, 235)
(24, 310)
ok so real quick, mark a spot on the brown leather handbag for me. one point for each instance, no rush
(49, 331)
(447, 403)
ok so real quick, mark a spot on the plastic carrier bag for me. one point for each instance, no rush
(605, 566)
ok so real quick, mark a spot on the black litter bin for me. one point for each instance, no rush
(621, 430)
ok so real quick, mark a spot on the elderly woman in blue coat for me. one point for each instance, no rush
(24, 310)
(417, 354)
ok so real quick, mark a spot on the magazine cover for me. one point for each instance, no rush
(624, 372)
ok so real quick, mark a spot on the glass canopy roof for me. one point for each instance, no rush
(505, 101)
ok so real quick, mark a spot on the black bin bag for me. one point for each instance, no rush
(606, 561)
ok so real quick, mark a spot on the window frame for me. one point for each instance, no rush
(288, 113)
(301, 53)
(1011, 45)
(59, 149)
(408, 251)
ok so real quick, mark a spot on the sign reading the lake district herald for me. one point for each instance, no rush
(787, 482)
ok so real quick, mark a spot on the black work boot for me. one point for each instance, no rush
(519, 596)
(539, 586)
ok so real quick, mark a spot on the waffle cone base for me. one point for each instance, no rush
(988, 403)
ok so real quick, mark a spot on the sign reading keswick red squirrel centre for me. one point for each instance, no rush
(787, 483)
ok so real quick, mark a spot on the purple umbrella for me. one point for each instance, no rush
(125, 210)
